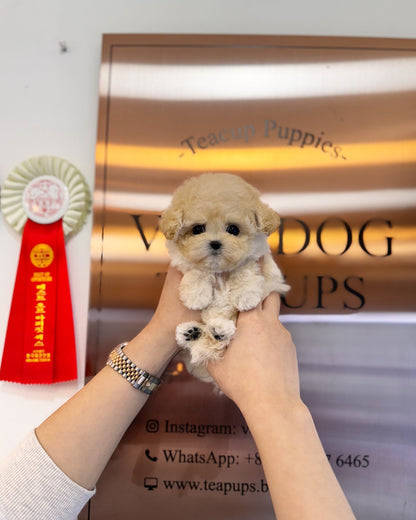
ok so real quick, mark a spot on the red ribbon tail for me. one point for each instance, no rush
(40, 339)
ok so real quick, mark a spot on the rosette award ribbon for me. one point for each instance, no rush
(48, 199)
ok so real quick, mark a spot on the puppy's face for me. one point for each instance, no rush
(214, 241)
(216, 221)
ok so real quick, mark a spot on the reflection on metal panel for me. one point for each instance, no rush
(325, 128)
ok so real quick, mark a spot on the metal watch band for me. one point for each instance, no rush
(139, 378)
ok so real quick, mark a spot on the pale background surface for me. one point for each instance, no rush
(49, 99)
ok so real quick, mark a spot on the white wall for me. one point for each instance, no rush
(48, 105)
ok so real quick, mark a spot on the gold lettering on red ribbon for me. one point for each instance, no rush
(38, 354)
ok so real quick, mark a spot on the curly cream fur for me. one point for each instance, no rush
(216, 228)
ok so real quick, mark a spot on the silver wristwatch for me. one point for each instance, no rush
(136, 376)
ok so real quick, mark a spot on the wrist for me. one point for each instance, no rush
(291, 413)
(152, 349)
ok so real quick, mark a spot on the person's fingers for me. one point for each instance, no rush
(272, 303)
(171, 283)
(174, 274)
(247, 316)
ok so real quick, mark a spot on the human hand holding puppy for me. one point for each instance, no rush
(259, 372)
(259, 368)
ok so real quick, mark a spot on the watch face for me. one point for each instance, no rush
(45, 199)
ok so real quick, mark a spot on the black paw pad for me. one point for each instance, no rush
(217, 336)
(192, 334)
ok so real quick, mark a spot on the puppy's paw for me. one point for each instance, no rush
(248, 299)
(276, 285)
(187, 333)
(195, 293)
(282, 287)
(221, 330)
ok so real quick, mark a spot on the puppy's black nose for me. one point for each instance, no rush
(215, 245)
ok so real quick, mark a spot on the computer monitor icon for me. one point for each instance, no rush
(151, 483)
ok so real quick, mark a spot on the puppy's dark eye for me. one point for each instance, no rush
(233, 229)
(198, 229)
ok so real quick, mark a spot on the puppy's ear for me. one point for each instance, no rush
(266, 219)
(171, 222)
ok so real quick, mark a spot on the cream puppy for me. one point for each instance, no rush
(216, 229)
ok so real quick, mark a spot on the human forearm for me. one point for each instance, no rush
(301, 482)
(81, 436)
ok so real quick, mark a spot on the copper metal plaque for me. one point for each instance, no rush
(325, 128)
